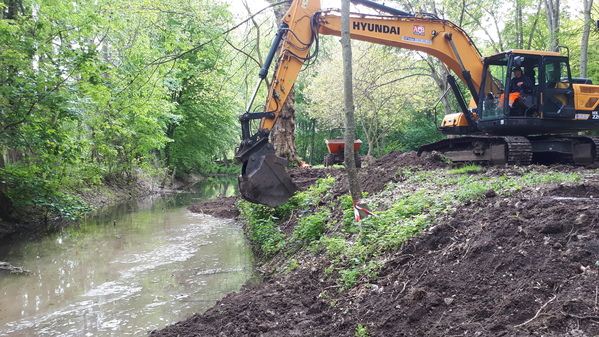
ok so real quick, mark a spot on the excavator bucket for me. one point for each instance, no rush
(263, 178)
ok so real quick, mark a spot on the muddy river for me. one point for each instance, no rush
(125, 271)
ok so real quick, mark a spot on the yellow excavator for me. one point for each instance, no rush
(505, 124)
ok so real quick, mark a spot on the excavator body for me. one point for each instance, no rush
(540, 124)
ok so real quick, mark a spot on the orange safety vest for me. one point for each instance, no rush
(511, 99)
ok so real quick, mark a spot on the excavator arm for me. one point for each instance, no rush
(263, 178)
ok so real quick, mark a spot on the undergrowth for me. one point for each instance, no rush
(356, 251)
(263, 222)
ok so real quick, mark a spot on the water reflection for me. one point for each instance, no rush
(129, 270)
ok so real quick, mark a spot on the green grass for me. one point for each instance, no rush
(468, 169)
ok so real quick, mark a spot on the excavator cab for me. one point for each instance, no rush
(545, 104)
(506, 99)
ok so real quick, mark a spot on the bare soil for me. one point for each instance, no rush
(523, 265)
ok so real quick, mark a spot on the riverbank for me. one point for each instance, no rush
(32, 223)
(497, 251)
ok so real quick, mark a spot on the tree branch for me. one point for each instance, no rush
(171, 58)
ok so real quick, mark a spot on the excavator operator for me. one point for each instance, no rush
(519, 86)
(520, 83)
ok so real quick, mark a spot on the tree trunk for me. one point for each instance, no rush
(584, 46)
(552, 10)
(534, 26)
(6, 207)
(313, 127)
(518, 22)
(11, 9)
(355, 189)
(283, 132)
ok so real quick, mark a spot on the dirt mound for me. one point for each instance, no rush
(520, 265)
(579, 191)
(386, 169)
(304, 177)
(223, 207)
(266, 312)
(506, 267)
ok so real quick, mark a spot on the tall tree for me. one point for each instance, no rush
(355, 189)
(586, 32)
(202, 124)
(552, 9)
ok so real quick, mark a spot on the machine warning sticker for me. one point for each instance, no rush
(419, 30)
(414, 39)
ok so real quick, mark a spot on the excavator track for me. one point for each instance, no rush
(518, 150)
(595, 140)
(564, 149)
(494, 150)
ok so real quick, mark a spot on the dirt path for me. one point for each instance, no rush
(524, 265)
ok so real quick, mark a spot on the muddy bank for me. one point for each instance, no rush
(523, 264)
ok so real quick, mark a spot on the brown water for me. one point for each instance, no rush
(133, 269)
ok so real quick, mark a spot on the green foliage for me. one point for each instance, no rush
(29, 193)
(309, 135)
(205, 128)
(468, 169)
(262, 229)
(302, 201)
(97, 91)
(361, 331)
(291, 265)
(351, 276)
(349, 218)
(418, 129)
(311, 227)
(263, 221)
(533, 178)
